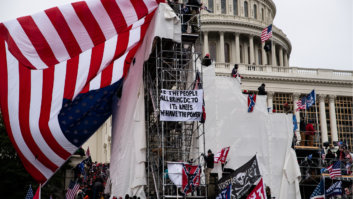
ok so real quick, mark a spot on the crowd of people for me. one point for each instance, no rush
(92, 179)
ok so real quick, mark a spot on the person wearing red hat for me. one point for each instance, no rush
(287, 108)
(206, 60)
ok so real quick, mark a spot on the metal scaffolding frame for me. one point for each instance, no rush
(311, 169)
(171, 65)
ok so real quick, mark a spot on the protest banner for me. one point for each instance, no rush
(181, 105)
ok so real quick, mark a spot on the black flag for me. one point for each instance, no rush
(268, 47)
(242, 178)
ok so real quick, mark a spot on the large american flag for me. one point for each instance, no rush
(335, 169)
(266, 33)
(72, 190)
(59, 71)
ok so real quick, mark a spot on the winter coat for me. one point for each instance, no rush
(262, 91)
(302, 125)
(310, 129)
(209, 160)
(206, 61)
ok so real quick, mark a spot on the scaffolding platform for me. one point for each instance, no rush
(171, 66)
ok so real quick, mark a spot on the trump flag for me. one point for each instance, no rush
(222, 155)
(59, 72)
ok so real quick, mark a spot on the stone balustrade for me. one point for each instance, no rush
(248, 69)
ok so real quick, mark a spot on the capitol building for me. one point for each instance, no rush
(231, 35)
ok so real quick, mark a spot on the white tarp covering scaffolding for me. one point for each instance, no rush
(127, 166)
(269, 135)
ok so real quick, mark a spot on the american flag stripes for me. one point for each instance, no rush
(301, 104)
(266, 33)
(58, 34)
(335, 169)
(85, 49)
(29, 193)
(72, 190)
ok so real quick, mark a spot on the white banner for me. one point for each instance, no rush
(181, 105)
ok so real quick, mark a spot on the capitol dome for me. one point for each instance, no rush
(231, 33)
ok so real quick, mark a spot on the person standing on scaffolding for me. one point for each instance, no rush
(209, 159)
(302, 132)
(194, 7)
(310, 132)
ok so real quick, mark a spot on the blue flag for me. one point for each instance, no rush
(226, 193)
(319, 192)
(335, 189)
(310, 99)
(295, 125)
(81, 166)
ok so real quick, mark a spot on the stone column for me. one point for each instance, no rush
(221, 42)
(333, 122)
(280, 53)
(245, 51)
(237, 48)
(269, 100)
(286, 59)
(263, 53)
(256, 57)
(251, 43)
(206, 49)
(297, 115)
(273, 53)
(324, 136)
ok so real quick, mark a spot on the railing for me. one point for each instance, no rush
(307, 71)
(205, 16)
(280, 70)
(343, 73)
(223, 65)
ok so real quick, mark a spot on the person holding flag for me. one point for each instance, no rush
(209, 159)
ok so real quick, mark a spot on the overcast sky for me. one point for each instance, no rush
(320, 30)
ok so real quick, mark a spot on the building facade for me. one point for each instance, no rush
(231, 35)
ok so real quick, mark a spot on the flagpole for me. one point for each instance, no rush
(317, 122)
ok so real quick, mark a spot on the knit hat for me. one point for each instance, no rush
(209, 151)
(208, 55)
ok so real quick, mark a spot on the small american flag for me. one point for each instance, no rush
(29, 193)
(335, 169)
(72, 190)
(266, 33)
(301, 104)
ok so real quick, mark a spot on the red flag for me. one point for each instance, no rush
(87, 152)
(191, 177)
(258, 192)
(37, 196)
(222, 155)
